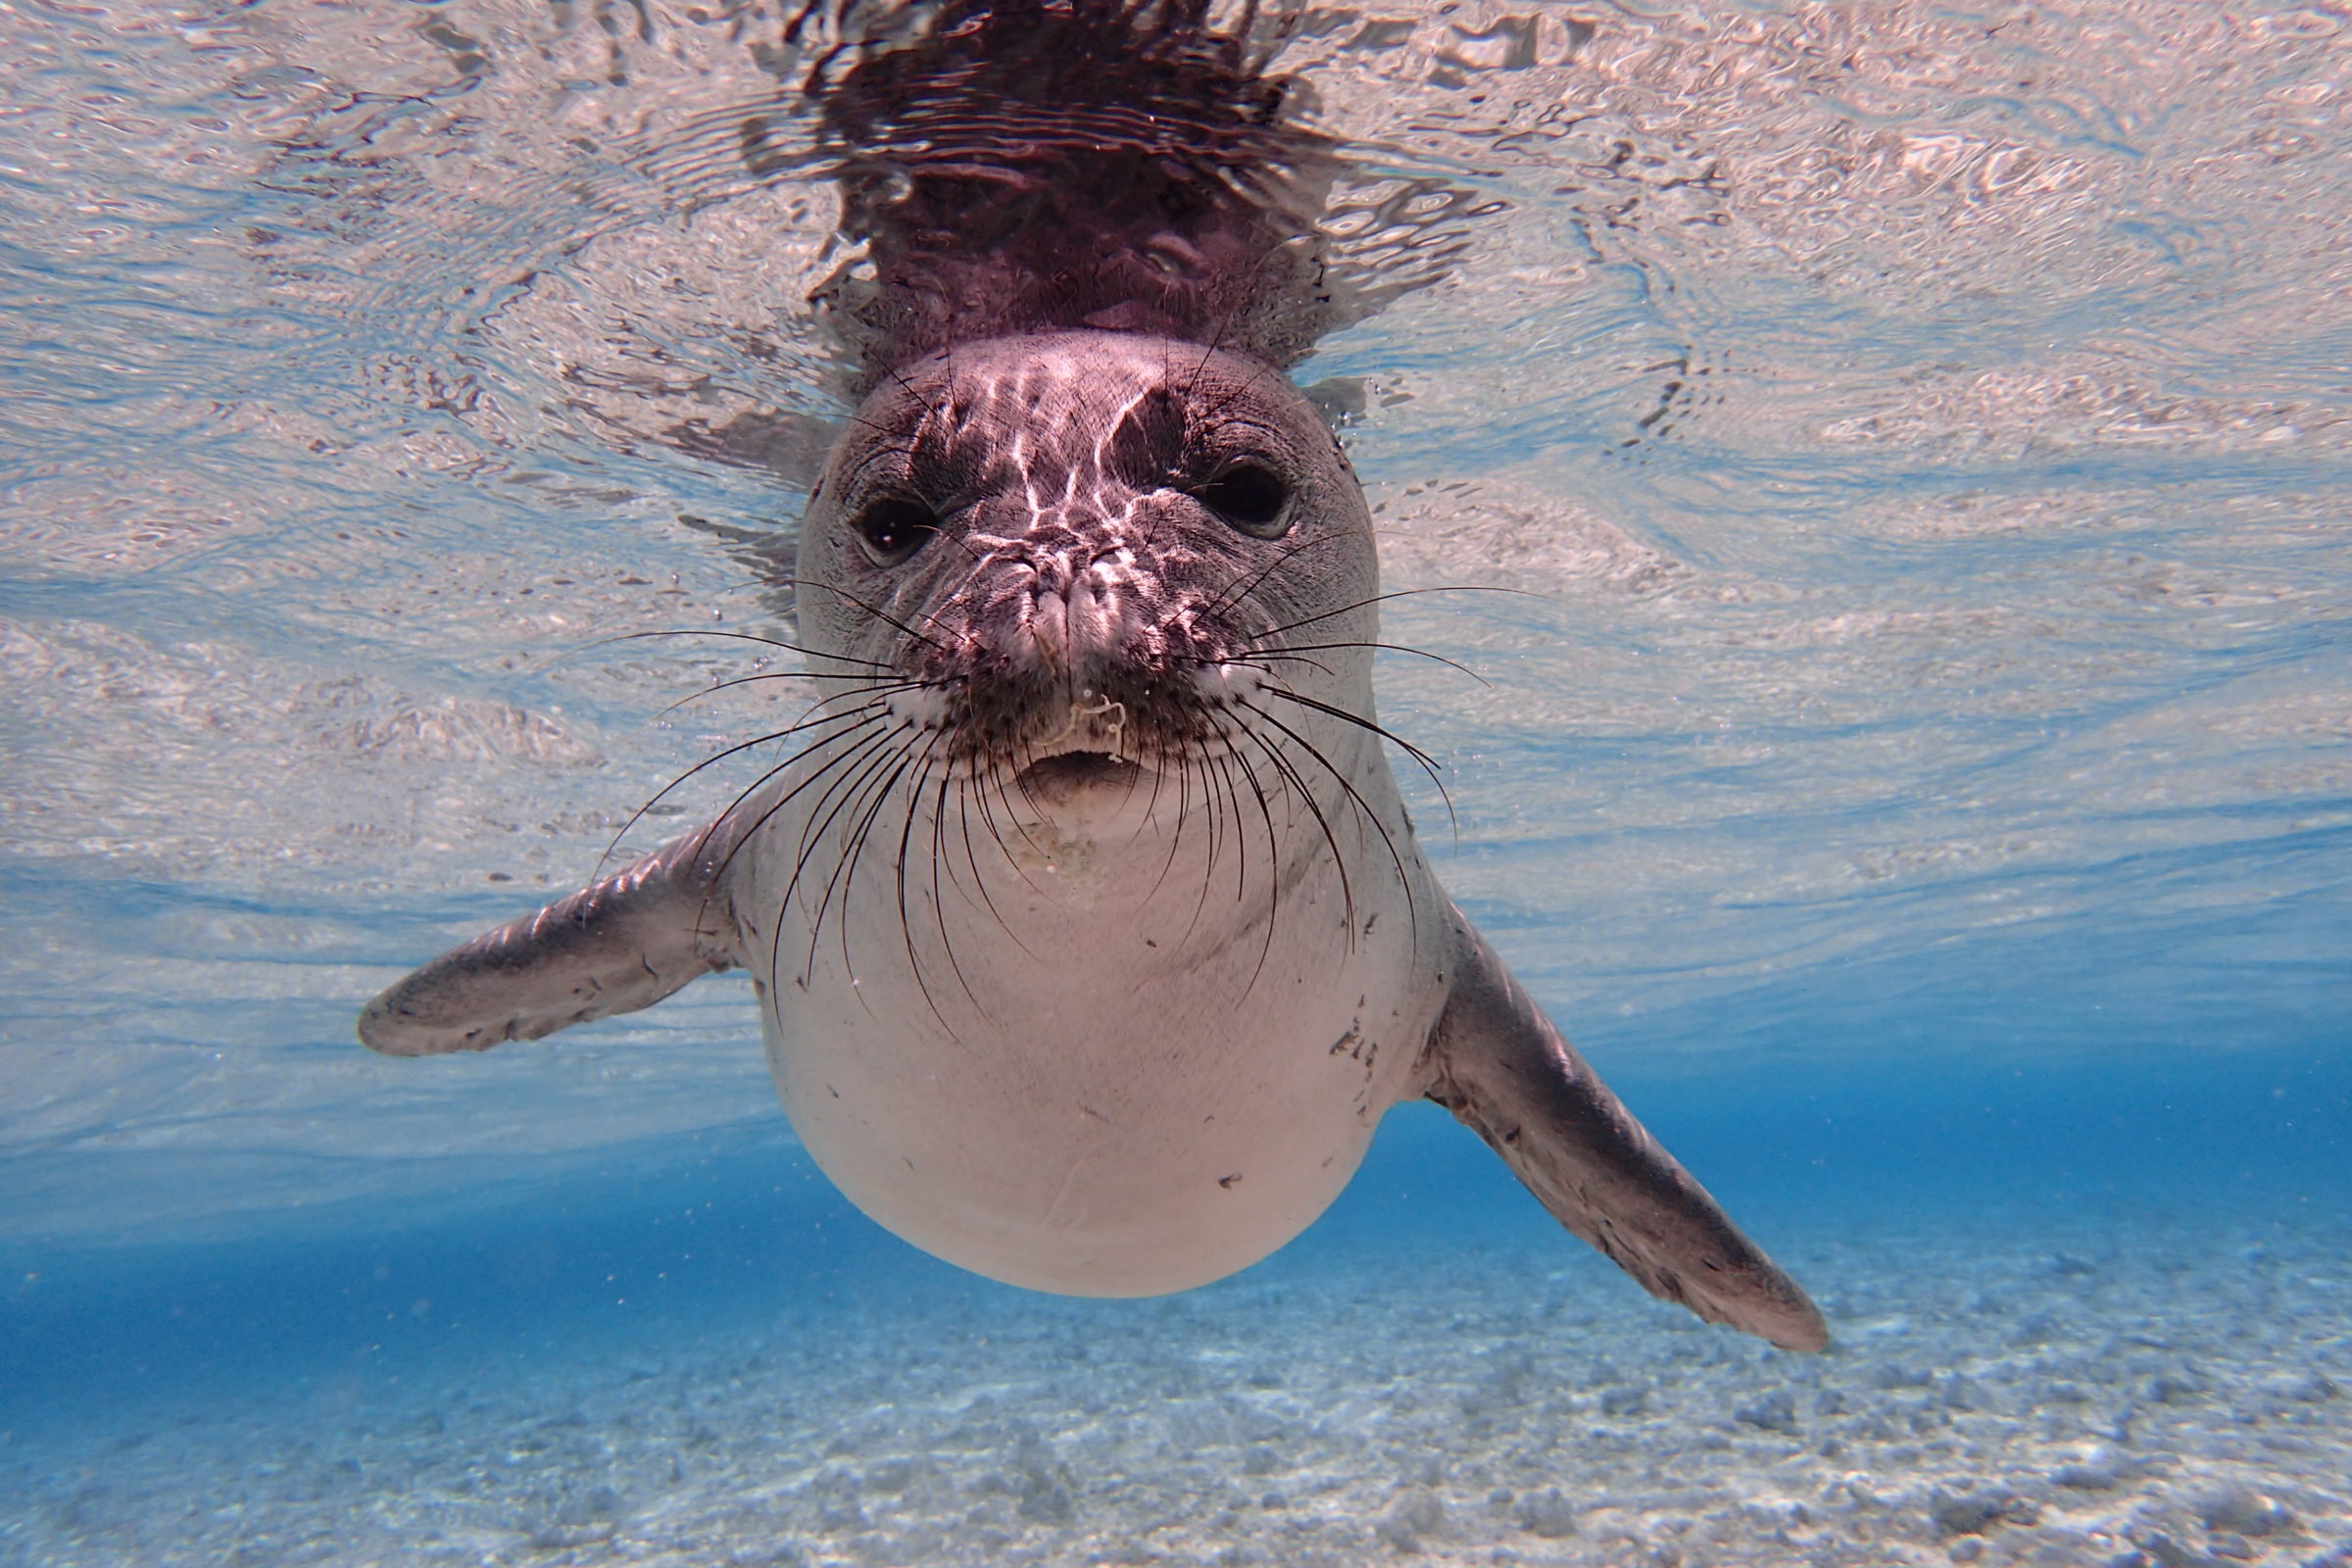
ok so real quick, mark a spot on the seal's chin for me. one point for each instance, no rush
(1066, 775)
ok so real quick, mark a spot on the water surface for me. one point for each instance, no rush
(1925, 788)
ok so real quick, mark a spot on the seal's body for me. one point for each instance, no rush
(1135, 1034)
(1090, 934)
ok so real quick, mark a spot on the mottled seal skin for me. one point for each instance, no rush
(1090, 934)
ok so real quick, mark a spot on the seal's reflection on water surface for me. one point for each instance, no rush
(1091, 936)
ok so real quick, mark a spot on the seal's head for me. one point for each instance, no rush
(1070, 559)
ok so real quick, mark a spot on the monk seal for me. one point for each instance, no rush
(1090, 934)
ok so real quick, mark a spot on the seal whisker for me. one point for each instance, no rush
(1384, 598)
(1243, 388)
(1243, 586)
(1208, 866)
(835, 769)
(845, 875)
(1231, 826)
(740, 838)
(786, 799)
(1262, 663)
(873, 610)
(1364, 812)
(868, 689)
(848, 786)
(915, 803)
(742, 636)
(1209, 775)
(1296, 786)
(923, 764)
(1265, 945)
(940, 864)
(1288, 649)
(908, 387)
(1428, 763)
(1018, 826)
(1237, 832)
(1372, 726)
(1151, 812)
(964, 797)
(1219, 829)
(1183, 792)
(805, 723)
(835, 773)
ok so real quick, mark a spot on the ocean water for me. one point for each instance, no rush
(1918, 773)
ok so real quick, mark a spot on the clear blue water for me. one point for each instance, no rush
(1924, 790)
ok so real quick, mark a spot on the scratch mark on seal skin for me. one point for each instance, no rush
(1054, 1219)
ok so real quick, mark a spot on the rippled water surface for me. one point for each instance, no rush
(1924, 774)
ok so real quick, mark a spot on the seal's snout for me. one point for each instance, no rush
(1079, 642)
(1076, 619)
(1068, 680)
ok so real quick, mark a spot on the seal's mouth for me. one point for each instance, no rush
(1055, 779)
(1085, 749)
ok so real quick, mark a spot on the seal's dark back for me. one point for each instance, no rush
(1016, 166)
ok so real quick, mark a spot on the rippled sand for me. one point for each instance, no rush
(2019, 1387)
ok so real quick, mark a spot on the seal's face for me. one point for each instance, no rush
(1066, 562)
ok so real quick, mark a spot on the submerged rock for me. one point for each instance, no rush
(1625, 1401)
(1547, 1513)
(1412, 1513)
(2102, 1469)
(1043, 1486)
(2160, 1551)
(1774, 1412)
(2243, 1511)
(1972, 1514)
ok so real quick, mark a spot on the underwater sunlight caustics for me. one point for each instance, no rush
(1164, 599)
(1090, 934)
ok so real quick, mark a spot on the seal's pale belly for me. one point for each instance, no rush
(1153, 1096)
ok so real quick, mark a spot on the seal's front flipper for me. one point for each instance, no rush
(1501, 1067)
(613, 947)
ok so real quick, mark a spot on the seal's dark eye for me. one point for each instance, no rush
(1251, 497)
(894, 528)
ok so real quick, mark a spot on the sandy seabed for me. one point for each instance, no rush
(2159, 1390)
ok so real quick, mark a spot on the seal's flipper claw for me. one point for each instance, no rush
(1500, 1067)
(613, 947)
